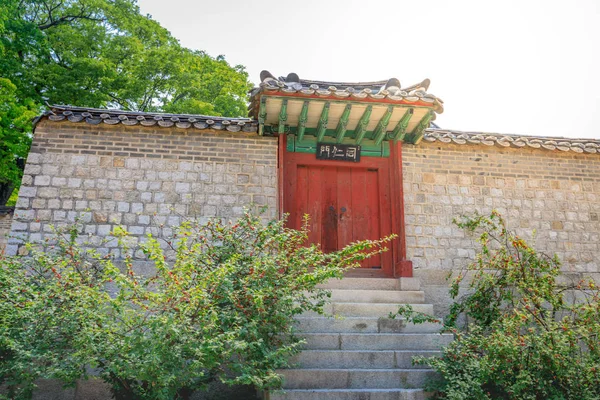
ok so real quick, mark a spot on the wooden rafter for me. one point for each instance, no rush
(343, 124)
(361, 128)
(417, 134)
(400, 130)
(262, 114)
(381, 129)
(302, 120)
(282, 116)
(322, 127)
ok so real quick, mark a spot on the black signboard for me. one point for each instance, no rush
(338, 152)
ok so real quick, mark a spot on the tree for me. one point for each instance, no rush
(104, 53)
(15, 122)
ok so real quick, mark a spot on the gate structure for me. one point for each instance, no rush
(340, 157)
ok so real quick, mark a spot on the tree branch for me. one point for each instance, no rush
(51, 21)
(68, 18)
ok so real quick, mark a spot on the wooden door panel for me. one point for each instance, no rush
(314, 189)
(372, 213)
(345, 203)
(346, 215)
(329, 201)
(300, 198)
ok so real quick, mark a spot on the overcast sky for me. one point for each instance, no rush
(524, 67)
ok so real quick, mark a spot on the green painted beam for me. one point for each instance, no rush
(343, 124)
(361, 127)
(417, 134)
(400, 130)
(322, 127)
(282, 116)
(309, 145)
(381, 129)
(262, 114)
(302, 120)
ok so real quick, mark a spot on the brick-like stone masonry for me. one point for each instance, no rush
(5, 223)
(145, 179)
(552, 193)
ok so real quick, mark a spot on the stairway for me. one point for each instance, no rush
(365, 355)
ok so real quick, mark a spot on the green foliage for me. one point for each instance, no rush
(407, 312)
(527, 337)
(101, 53)
(15, 123)
(105, 53)
(12, 200)
(222, 309)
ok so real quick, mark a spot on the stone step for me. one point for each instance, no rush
(367, 309)
(358, 359)
(363, 325)
(373, 284)
(318, 378)
(374, 309)
(376, 341)
(377, 296)
(350, 394)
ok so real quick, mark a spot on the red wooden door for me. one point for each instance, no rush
(345, 202)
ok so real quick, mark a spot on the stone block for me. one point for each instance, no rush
(38, 203)
(26, 191)
(182, 187)
(48, 192)
(42, 180)
(75, 182)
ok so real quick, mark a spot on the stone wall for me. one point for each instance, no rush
(554, 194)
(6, 215)
(145, 179)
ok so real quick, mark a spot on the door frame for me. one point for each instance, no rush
(395, 258)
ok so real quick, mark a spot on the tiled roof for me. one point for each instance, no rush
(386, 91)
(517, 141)
(97, 116)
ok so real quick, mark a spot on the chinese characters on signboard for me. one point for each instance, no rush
(339, 152)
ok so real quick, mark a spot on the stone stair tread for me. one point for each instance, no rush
(369, 309)
(386, 334)
(360, 359)
(376, 283)
(358, 369)
(375, 341)
(350, 394)
(324, 324)
(370, 351)
(355, 378)
(354, 390)
(377, 296)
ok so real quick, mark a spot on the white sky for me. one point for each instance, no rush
(524, 67)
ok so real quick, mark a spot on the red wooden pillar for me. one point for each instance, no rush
(402, 266)
(281, 148)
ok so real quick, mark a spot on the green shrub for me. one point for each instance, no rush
(221, 310)
(526, 336)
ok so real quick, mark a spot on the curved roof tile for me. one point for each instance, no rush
(95, 116)
(591, 146)
(378, 90)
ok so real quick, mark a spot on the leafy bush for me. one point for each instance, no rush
(221, 310)
(526, 336)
